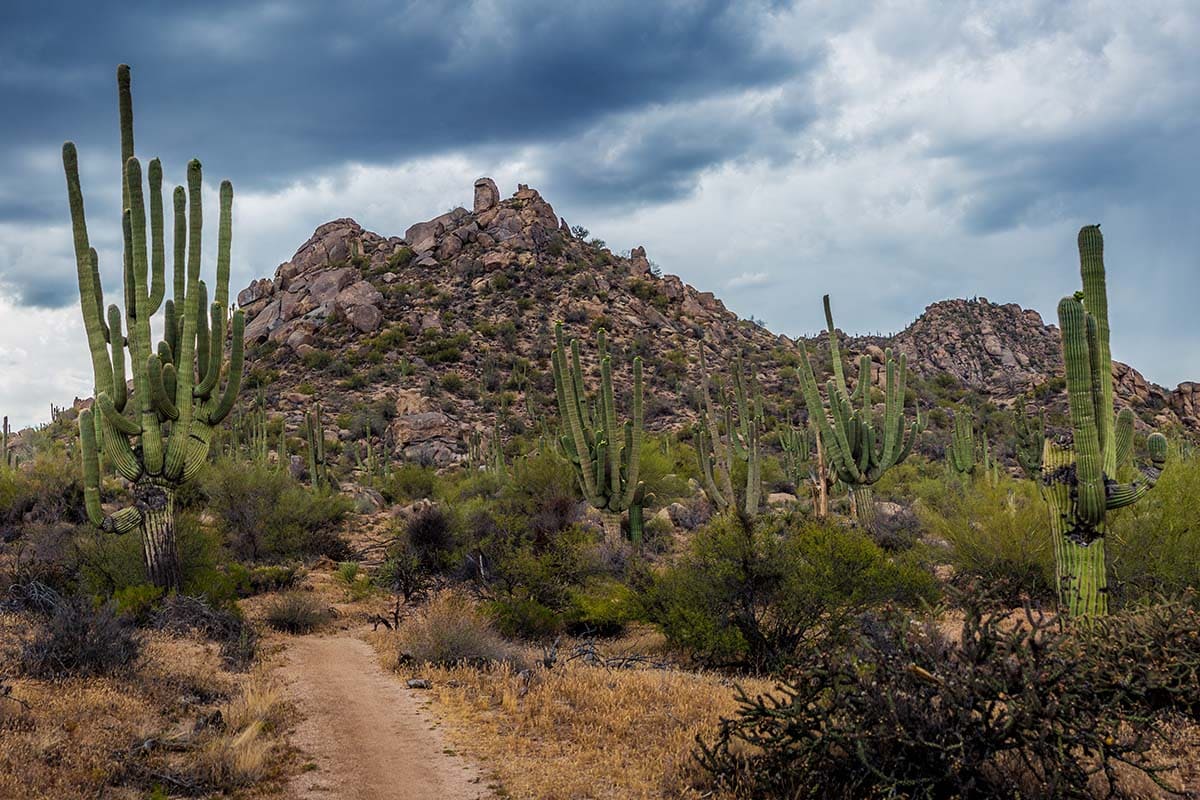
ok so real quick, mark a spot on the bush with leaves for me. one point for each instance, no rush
(268, 515)
(750, 595)
(996, 533)
(1007, 710)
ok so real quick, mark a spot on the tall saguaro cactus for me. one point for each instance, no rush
(1080, 472)
(740, 441)
(158, 436)
(804, 462)
(606, 462)
(859, 450)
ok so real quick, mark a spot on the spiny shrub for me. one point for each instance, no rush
(78, 639)
(296, 612)
(452, 630)
(410, 482)
(1007, 710)
(182, 614)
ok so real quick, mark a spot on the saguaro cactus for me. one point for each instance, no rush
(804, 461)
(740, 441)
(859, 451)
(314, 434)
(6, 455)
(962, 443)
(1029, 441)
(164, 438)
(606, 463)
(1080, 471)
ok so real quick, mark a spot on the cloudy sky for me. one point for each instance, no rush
(890, 153)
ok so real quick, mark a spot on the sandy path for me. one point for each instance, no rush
(365, 730)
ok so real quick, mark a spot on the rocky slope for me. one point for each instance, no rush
(417, 340)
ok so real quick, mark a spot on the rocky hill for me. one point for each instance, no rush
(417, 340)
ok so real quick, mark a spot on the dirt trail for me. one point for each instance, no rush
(365, 730)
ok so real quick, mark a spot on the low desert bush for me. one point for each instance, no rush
(410, 482)
(999, 534)
(430, 536)
(451, 629)
(1154, 544)
(79, 639)
(1009, 709)
(268, 515)
(182, 614)
(749, 595)
(295, 612)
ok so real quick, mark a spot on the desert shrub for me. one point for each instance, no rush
(109, 564)
(402, 574)
(1154, 544)
(603, 607)
(749, 595)
(79, 639)
(137, 602)
(524, 618)
(240, 753)
(999, 534)
(430, 536)
(47, 490)
(268, 515)
(183, 614)
(902, 710)
(347, 572)
(410, 482)
(295, 612)
(271, 578)
(451, 630)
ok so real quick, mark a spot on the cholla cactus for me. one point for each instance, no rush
(740, 440)
(158, 436)
(1080, 471)
(606, 463)
(860, 451)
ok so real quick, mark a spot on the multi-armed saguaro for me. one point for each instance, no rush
(741, 440)
(859, 453)
(606, 463)
(963, 454)
(1080, 473)
(799, 446)
(158, 436)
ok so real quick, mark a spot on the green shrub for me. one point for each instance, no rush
(268, 515)
(1154, 545)
(272, 577)
(410, 482)
(1000, 534)
(430, 537)
(603, 606)
(295, 612)
(347, 572)
(525, 618)
(138, 602)
(751, 596)
(47, 490)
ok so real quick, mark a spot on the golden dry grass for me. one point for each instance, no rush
(118, 737)
(579, 731)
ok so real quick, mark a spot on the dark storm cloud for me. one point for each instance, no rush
(267, 92)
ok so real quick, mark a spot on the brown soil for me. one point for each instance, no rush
(365, 731)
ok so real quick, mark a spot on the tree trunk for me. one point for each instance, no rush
(156, 501)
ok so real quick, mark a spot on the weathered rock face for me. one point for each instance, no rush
(487, 196)
(469, 299)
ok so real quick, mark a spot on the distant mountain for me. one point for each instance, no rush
(429, 335)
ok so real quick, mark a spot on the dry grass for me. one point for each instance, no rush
(119, 736)
(579, 731)
(451, 629)
(241, 753)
